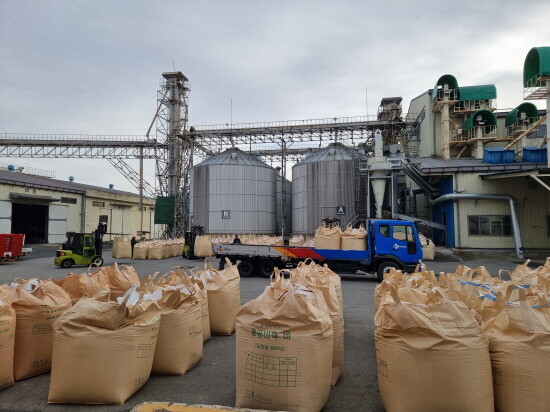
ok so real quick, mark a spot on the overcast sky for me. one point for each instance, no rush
(94, 66)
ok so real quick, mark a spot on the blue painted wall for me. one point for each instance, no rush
(444, 213)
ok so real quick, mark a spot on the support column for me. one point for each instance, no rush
(478, 150)
(446, 129)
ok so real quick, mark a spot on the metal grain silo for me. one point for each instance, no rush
(233, 192)
(321, 183)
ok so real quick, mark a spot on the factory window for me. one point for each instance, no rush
(493, 225)
(71, 200)
(98, 204)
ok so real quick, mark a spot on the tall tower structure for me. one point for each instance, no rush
(174, 161)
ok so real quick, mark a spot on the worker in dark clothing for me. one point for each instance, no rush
(133, 242)
(236, 240)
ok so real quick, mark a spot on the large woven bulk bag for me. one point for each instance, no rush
(431, 357)
(328, 237)
(224, 298)
(428, 248)
(7, 340)
(354, 239)
(120, 278)
(122, 248)
(37, 304)
(156, 251)
(318, 278)
(203, 246)
(519, 343)
(202, 295)
(284, 351)
(141, 250)
(103, 351)
(179, 344)
(85, 284)
(177, 249)
(335, 280)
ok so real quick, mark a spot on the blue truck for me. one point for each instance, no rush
(389, 244)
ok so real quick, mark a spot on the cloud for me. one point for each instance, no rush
(94, 66)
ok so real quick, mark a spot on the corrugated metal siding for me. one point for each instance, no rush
(317, 189)
(533, 204)
(247, 191)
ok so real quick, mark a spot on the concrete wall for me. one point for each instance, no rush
(533, 202)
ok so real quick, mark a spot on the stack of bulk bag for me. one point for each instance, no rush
(7, 339)
(85, 284)
(354, 239)
(431, 357)
(203, 246)
(141, 250)
(122, 248)
(103, 351)
(179, 344)
(328, 237)
(224, 298)
(519, 342)
(284, 350)
(37, 305)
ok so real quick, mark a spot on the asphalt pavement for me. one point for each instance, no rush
(212, 381)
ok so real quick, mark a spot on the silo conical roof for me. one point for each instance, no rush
(233, 156)
(334, 151)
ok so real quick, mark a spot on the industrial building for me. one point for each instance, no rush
(44, 209)
(474, 176)
(481, 173)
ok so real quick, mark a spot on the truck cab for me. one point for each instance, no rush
(394, 243)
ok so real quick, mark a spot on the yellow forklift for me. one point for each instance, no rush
(82, 248)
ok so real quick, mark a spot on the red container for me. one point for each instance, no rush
(11, 246)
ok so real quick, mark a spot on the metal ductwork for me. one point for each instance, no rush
(479, 196)
(416, 177)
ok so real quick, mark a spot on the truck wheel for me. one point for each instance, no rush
(67, 263)
(98, 260)
(246, 268)
(266, 268)
(384, 266)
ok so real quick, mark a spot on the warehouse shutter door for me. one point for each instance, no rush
(5, 216)
(57, 223)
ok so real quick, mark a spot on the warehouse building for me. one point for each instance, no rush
(482, 174)
(45, 209)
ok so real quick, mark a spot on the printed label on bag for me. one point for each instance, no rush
(41, 329)
(145, 350)
(271, 370)
(195, 330)
(41, 364)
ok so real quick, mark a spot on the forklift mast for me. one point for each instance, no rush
(98, 237)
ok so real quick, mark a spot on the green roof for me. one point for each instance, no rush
(484, 92)
(537, 64)
(529, 109)
(486, 115)
(448, 79)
